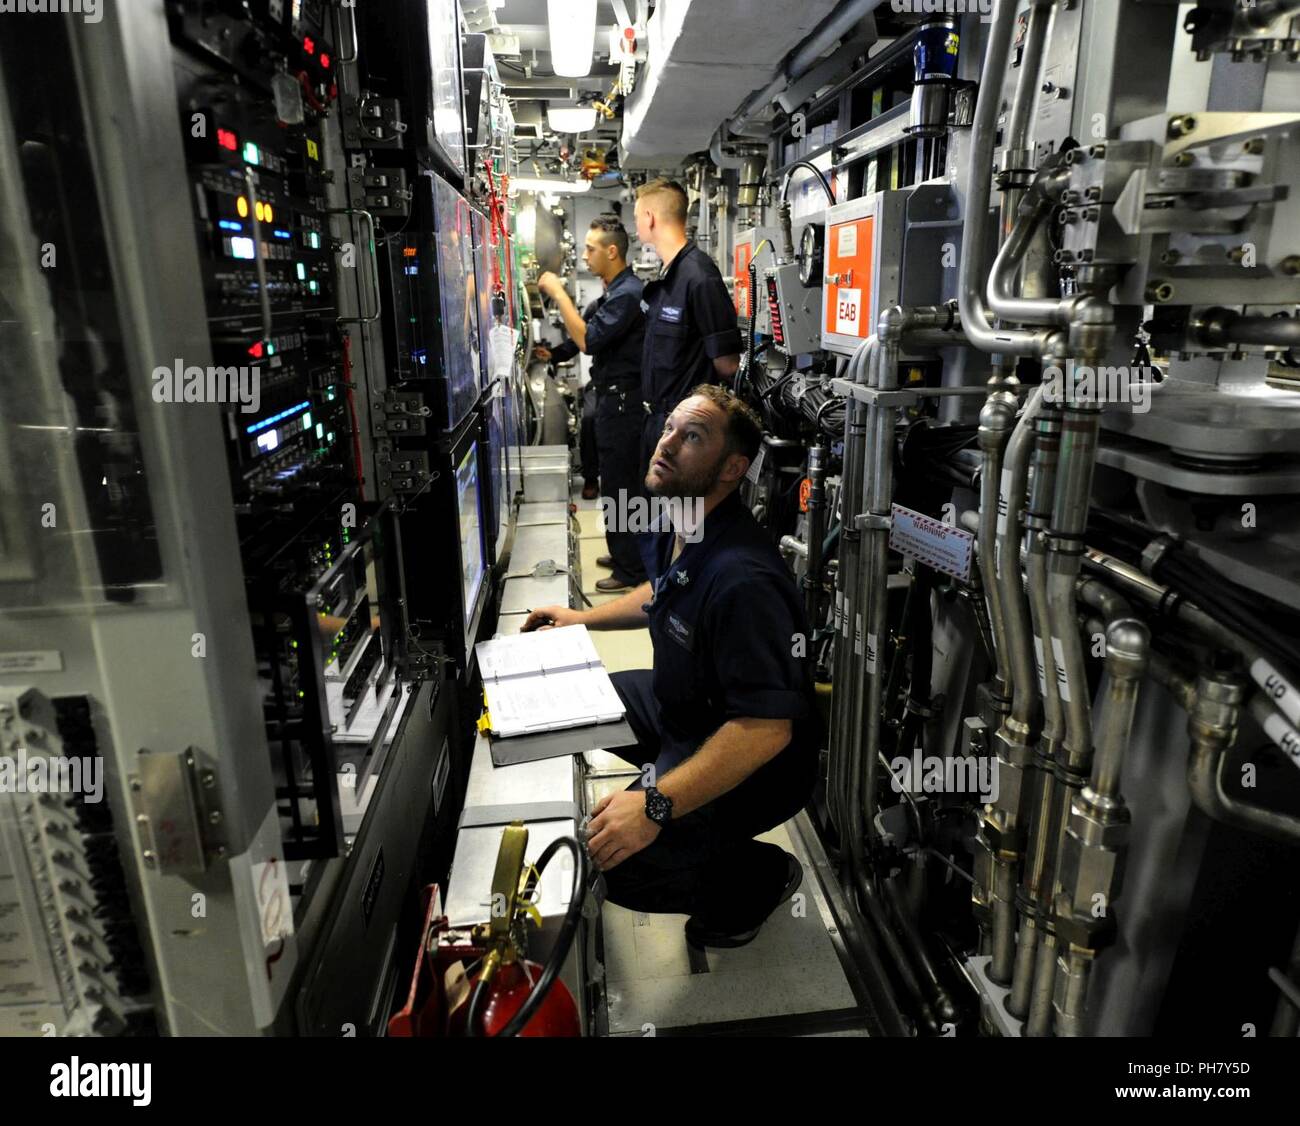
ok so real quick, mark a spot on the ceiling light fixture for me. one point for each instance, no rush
(573, 36)
(543, 184)
(571, 119)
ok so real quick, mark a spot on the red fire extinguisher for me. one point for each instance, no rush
(511, 996)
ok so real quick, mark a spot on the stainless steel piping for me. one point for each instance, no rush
(1222, 328)
(1213, 704)
(1096, 840)
(1035, 209)
(978, 192)
(1003, 825)
(847, 681)
(863, 735)
(996, 420)
(1270, 680)
(1035, 950)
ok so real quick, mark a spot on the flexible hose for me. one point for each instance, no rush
(559, 952)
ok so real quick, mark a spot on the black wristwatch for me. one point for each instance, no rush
(658, 807)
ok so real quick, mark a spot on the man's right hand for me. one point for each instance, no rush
(547, 616)
(542, 353)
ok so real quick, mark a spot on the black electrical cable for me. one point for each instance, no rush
(563, 941)
(826, 187)
(475, 1003)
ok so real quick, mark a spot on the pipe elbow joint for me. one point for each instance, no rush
(997, 417)
(891, 324)
(1128, 643)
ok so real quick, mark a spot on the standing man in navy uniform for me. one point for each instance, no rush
(691, 334)
(726, 726)
(611, 330)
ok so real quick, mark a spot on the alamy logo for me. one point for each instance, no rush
(22, 773)
(92, 11)
(181, 384)
(102, 1080)
(984, 8)
(636, 514)
(1130, 386)
(955, 774)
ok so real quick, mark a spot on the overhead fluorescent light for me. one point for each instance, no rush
(573, 36)
(543, 184)
(571, 119)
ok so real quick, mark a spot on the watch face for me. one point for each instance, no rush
(657, 807)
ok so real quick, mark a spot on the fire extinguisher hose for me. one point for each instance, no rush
(559, 952)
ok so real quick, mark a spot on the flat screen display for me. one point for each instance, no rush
(457, 287)
(446, 99)
(483, 252)
(473, 552)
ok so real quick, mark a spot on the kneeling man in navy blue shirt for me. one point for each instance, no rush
(725, 720)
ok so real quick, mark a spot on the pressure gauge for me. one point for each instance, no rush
(810, 255)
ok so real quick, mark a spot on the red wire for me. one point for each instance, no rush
(352, 413)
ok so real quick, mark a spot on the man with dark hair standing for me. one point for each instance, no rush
(691, 332)
(726, 726)
(611, 330)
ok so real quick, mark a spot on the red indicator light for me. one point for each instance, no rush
(309, 45)
(325, 61)
(227, 140)
(255, 350)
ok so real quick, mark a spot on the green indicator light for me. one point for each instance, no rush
(270, 349)
(314, 286)
(320, 430)
(330, 436)
(251, 154)
(302, 272)
(306, 421)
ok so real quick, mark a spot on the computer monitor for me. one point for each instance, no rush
(462, 364)
(473, 543)
(483, 288)
(445, 135)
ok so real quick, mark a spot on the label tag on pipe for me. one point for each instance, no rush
(871, 654)
(1004, 502)
(1042, 664)
(857, 634)
(1062, 681)
(1284, 735)
(1276, 687)
(848, 611)
(932, 542)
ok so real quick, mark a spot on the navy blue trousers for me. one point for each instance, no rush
(618, 436)
(707, 863)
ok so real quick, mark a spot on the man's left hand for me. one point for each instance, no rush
(619, 828)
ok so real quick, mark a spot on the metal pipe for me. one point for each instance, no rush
(845, 671)
(804, 57)
(1031, 61)
(1065, 547)
(975, 230)
(1044, 830)
(1007, 568)
(996, 419)
(1213, 704)
(1209, 754)
(1271, 681)
(1018, 161)
(1004, 824)
(877, 497)
(1034, 210)
(1222, 328)
(816, 530)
